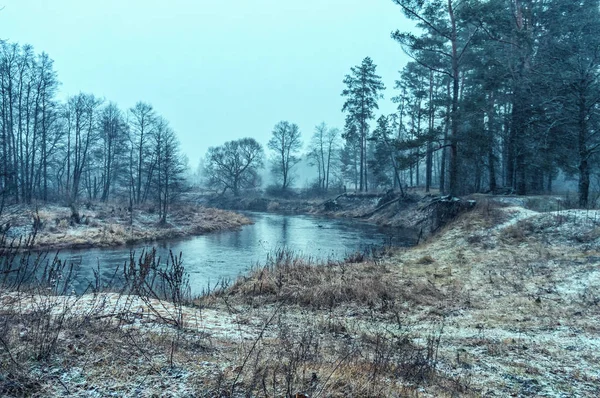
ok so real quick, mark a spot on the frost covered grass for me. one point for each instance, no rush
(105, 225)
(520, 300)
(101, 343)
(513, 291)
(503, 301)
(143, 339)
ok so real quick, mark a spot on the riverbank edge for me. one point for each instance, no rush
(419, 212)
(54, 227)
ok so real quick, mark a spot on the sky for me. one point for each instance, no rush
(218, 70)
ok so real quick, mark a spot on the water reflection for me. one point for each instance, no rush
(211, 258)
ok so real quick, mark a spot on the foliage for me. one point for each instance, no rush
(499, 94)
(363, 89)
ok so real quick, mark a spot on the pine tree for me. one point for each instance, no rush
(440, 48)
(363, 89)
(383, 163)
(569, 86)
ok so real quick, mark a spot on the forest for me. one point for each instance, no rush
(80, 149)
(507, 90)
(500, 97)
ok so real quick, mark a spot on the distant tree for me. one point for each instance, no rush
(350, 153)
(322, 150)
(113, 141)
(142, 121)
(170, 166)
(363, 89)
(234, 165)
(198, 174)
(285, 144)
(316, 152)
(396, 130)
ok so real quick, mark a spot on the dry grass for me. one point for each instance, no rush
(502, 302)
(319, 287)
(512, 285)
(134, 343)
(101, 348)
(371, 285)
(94, 355)
(106, 225)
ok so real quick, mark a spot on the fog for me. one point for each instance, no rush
(217, 70)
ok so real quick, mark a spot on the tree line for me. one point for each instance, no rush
(82, 148)
(235, 165)
(500, 96)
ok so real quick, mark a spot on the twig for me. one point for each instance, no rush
(333, 371)
(9, 353)
(260, 335)
(369, 214)
(63, 384)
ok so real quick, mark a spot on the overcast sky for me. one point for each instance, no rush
(216, 69)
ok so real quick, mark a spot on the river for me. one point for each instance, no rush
(225, 255)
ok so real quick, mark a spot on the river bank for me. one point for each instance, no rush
(100, 225)
(414, 210)
(359, 205)
(502, 301)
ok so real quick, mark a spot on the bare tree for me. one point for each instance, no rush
(27, 88)
(81, 114)
(323, 146)
(285, 144)
(142, 122)
(234, 165)
(47, 87)
(50, 149)
(170, 166)
(113, 133)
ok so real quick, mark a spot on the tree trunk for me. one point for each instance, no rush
(429, 155)
(362, 158)
(584, 183)
(491, 137)
(445, 143)
(366, 165)
(584, 169)
(453, 177)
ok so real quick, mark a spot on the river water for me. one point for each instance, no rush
(212, 258)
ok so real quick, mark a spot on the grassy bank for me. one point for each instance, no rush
(106, 225)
